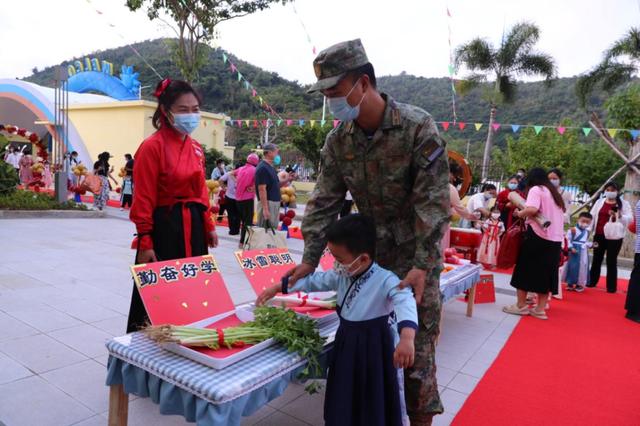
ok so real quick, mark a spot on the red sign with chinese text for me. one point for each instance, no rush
(182, 291)
(264, 268)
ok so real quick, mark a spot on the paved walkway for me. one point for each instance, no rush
(65, 288)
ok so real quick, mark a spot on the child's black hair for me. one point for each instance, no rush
(356, 232)
(586, 215)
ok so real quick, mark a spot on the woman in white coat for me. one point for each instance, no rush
(611, 208)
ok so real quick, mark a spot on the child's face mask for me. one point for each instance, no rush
(495, 215)
(345, 270)
(584, 224)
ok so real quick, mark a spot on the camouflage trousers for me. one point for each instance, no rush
(420, 385)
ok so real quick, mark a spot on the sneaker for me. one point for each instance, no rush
(515, 310)
(570, 288)
(579, 289)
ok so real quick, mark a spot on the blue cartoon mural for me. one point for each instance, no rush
(92, 75)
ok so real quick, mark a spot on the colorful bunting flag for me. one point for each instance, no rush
(312, 122)
(538, 129)
(586, 130)
(478, 126)
(635, 134)
(224, 58)
(239, 76)
(254, 93)
(496, 126)
(323, 122)
(515, 128)
(239, 123)
(561, 130)
(264, 123)
(612, 132)
(233, 68)
(335, 123)
(247, 122)
(255, 124)
(289, 122)
(279, 122)
(301, 123)
(445, 125)
(246, 85)
(462, 125)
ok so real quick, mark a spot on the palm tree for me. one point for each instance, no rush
(514, 57)
(619, 65)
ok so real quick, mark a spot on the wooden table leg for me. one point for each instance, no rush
(471, 300)
(118, 406)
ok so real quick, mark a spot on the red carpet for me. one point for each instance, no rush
(623, 285)
(581, 367)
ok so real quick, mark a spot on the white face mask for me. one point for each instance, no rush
(495, 215)
(344, 270)
(341, 109)
(555, 182)
(611, 195)
(488, 196)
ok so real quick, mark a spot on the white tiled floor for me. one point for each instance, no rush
(57, 309)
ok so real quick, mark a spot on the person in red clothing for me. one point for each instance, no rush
(171, 202)
(504, 205)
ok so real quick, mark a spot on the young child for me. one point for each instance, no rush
(127, 192)
(362, 383)
(492, 229)
(577, 269)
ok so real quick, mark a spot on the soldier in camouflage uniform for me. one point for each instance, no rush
(390, 157)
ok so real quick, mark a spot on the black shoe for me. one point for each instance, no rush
(590, 285)
(633, 317)
(611, 291)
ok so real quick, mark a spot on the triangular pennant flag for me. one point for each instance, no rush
(255, 124)
(246, 85)
(261, 100)
(462, 125)
(323, 122)
(445, 125)
(224, 58)
(254, 93)
(538, 129)
(515, 128)
(634, 133)
(239, 123)
(312, 122)
(478, 126)
(301, 122)
(451, 70)
(247, 122)
(233, 68)
(279, 122)
(335, 123)
(264, 123)
(586, 130)
(239, 76)
(289, 122)
(496, 126)
(612, 132)
(561, 130)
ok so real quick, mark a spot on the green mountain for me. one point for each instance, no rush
(535, 104)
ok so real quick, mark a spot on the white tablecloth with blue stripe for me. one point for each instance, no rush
(213, 397)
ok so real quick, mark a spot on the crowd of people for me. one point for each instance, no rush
(549, 255)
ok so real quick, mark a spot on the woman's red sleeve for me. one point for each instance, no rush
(147, 172)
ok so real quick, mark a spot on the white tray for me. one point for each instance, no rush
(218, 363)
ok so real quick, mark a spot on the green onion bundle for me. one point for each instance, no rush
(297, 333)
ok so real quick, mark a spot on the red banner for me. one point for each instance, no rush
(264, 268)
(182, 291)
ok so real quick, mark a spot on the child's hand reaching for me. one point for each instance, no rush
(404, 354)
(268, 294)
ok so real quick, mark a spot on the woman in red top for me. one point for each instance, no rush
(504, 205)
(171, 202)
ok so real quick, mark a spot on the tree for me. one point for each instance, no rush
(613, 71)
(195, 24)
(623, 111)
(309, 141)
(515, 57)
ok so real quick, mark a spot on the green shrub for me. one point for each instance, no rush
(8, 178)
(27, 200)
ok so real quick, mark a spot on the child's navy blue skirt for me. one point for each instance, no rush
(362, 383)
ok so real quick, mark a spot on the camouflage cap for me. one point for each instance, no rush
(333, 63)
